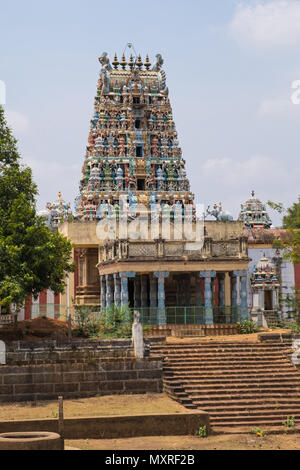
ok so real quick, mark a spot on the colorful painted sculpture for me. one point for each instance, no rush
(133, 145)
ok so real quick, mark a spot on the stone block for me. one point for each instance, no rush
(18, 379)
(150, 374)
(69, 387)
(121, 375)
(95, 376)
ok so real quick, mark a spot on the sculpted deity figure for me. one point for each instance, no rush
(159, 63)
(104, 61)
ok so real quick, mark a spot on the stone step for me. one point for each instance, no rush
(228, 369)
(194, 380)
(220, 375)
(227, 400)
(218, 345)
(227, 358)
(228, 408)
(239, 387)
(236, 383)
(245, 395)
(244, 350)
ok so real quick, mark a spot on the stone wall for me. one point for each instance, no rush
(43, 371)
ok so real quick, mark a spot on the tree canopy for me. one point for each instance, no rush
(292, 218)
(32, 257)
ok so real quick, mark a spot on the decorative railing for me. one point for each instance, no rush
(150, 315)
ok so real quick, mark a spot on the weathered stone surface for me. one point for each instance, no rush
(38, 374)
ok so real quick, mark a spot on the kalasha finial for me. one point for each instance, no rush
(59, 195)
(115, 62)
(253, 193)
(139, 62)
(123, 63)
(131, 62)
(147, 64)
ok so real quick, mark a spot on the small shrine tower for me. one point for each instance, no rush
(253, 214)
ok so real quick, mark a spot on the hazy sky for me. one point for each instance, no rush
(230, 67)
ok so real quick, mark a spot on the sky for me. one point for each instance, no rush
(230, 69)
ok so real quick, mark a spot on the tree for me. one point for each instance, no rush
(290, 244)
(32, 257)
(292, 218)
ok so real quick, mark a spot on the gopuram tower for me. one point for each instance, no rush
(134, 173)
(133, 145)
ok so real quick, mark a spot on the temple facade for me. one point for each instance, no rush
(138, 237)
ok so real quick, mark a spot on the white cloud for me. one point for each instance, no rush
(267, 25)
(17, 121)
(258, 171)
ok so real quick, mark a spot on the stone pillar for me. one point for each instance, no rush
(161, 276)
(275, 299)
(244, 300)
(117, 290)
(208, 276)
(242, 275)
(103, 291)
(144, 293)
(124, 287)
(153, 292)
(109, 290)
(137, 292)
(234, 289)
(221, 290)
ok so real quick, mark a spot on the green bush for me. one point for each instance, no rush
(87, 321)
(246, 327)
(202, 431)
(116, 321)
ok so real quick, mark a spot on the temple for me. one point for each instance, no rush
(253, 214)
(139, 239)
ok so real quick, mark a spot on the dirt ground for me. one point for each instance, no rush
(220, 442)
(251, 338)
(98, 406)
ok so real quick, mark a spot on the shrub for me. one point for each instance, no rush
(202, 431)
(247, 326)
(87, 321)
(289, 422)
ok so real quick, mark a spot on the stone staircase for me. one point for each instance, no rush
(238, 384)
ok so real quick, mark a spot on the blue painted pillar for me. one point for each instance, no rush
(244, 302)
(241, 277)
(124, 289)
(209, 315)
(161, 276)
(103, 291)
(109, 291)
(234, 284)
(117, 290)
(221, 290)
